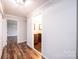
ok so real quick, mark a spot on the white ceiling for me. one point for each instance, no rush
(11, 7)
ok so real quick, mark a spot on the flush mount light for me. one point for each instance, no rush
(23, 2)
(20, 1)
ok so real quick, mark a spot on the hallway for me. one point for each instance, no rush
(21, 21)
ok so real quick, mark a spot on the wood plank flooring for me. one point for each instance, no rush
(20, 51)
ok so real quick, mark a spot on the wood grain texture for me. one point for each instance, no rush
(20, 51)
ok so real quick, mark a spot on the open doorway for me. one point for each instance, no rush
(37, 41)
(11, 32)
(37, 32)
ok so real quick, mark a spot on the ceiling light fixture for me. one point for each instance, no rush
(23, 2)
(20, 1)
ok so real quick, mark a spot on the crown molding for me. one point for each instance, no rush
(41, 8)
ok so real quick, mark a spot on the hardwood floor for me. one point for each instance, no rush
(20, 51)
(38, 46)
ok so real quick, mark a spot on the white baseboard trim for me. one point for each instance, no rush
(38, 52)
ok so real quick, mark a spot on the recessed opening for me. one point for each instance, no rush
(37, 32)
(11, 32)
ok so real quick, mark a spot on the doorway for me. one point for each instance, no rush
(37, 41)
(37, 32)
(11, 32)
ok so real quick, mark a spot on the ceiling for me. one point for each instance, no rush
(11, 7)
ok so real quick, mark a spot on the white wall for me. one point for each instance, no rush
(22, 31)
(0, 35)
(29, 33)
(59, 30)
(3, 34)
